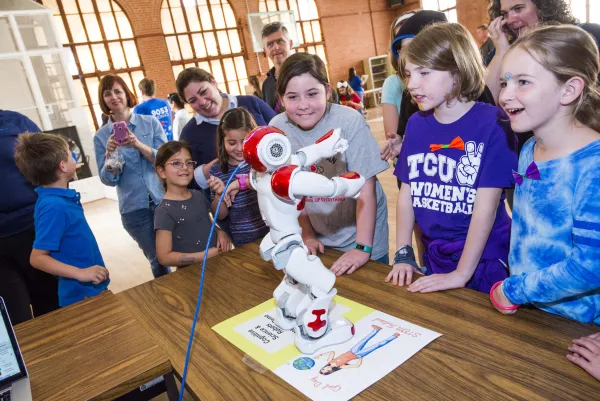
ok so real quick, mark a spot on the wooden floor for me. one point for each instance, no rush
(127, 265)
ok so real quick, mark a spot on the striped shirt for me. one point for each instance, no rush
(247, 224)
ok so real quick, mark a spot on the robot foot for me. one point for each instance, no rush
(286, 323)
(339, 331)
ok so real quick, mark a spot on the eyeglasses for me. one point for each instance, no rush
(179, 164)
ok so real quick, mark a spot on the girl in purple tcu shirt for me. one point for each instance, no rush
(456, 160)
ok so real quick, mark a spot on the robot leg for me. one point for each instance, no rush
(314, 329)
(288, 295)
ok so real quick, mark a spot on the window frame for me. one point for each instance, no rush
(446, 10)
(81, 76)
(302, 47)
(221, 56)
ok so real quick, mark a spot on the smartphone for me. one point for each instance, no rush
(120, 131)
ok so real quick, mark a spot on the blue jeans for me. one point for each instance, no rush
(359, 349)
(140, 225)
(361, 95)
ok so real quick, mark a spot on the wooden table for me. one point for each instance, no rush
(482, 354)
(92, 350)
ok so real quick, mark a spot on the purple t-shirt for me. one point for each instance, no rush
(444, 182)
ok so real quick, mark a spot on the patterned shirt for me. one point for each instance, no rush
(247, 224)
(555, 237)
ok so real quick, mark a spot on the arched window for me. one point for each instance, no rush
(205, 34)
(308, 23)
(448, 7)
(100, 37)
(586, 10)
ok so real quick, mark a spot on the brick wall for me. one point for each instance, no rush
(353, 30)
(472, 13)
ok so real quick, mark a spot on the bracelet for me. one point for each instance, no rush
(406, 254)
(363, 248)
(242, 180)
(496, 304)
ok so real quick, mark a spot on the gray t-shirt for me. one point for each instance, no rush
(188, 220)
(334, 220)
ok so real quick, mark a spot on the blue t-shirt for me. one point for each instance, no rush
(16, 210)
(555, 237)
(355, 84)
(61, 228)
(444, 181)
(160, 109)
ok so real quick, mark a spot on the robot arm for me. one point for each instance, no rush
(291, 183)
(328, 145)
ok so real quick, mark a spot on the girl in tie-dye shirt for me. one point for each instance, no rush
(548, 87)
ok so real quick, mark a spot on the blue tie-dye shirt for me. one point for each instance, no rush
(555, 239)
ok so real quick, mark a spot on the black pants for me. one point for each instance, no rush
(21, 285)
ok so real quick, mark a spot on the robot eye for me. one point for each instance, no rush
(276, 150)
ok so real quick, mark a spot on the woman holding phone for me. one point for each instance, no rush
(133, 139)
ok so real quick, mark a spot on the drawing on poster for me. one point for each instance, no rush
(353, 357)
(381, 344)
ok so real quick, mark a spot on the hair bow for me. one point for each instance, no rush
(532, 172)
(457, 143)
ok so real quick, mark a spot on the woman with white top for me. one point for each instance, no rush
(180, 114)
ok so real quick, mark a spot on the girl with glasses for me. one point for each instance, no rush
(182, 221)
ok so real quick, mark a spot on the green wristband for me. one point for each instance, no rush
(363, 248)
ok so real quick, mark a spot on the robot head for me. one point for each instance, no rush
(266, 149)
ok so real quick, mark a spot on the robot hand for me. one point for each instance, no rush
(349, 185)
(328, 145)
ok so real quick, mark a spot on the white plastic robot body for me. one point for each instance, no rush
(281, 217)
(304, 296)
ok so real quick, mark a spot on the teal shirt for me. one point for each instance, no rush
(391, 92)
(555, 237)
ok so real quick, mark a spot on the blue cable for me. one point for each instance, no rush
(212, 229)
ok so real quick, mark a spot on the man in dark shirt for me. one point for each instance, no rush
(277, 46)
(484, 41)
(20, 284)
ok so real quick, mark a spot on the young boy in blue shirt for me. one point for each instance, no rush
(64, 243)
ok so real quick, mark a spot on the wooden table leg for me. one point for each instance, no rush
(172, 391)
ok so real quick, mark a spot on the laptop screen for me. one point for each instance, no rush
(12, 367)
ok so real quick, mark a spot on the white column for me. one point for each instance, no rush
(33, 82)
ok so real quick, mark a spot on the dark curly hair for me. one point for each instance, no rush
(549, 11)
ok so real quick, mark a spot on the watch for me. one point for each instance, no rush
(242, 180)
(363, 248)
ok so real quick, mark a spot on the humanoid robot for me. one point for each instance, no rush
(282, 180)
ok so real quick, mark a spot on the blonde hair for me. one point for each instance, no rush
(568, 51)
(449, 47)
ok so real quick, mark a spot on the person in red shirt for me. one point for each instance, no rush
(348, 97)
